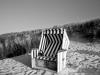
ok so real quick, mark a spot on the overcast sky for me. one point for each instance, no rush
(22, 15)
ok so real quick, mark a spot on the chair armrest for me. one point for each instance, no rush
(61, 60)
(34, 53)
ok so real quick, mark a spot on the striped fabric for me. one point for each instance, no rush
(51, 42)
(47, 58)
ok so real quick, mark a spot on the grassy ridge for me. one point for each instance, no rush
(89, 30)
(14, 44)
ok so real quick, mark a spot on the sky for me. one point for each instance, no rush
(23, 15)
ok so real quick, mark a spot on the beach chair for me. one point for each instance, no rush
(52, 50)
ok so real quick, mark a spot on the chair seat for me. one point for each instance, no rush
(46, 58)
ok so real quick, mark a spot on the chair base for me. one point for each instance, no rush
(44, 64)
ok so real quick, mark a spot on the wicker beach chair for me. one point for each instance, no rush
(52, 50)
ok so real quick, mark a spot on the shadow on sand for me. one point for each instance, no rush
(25, 59)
